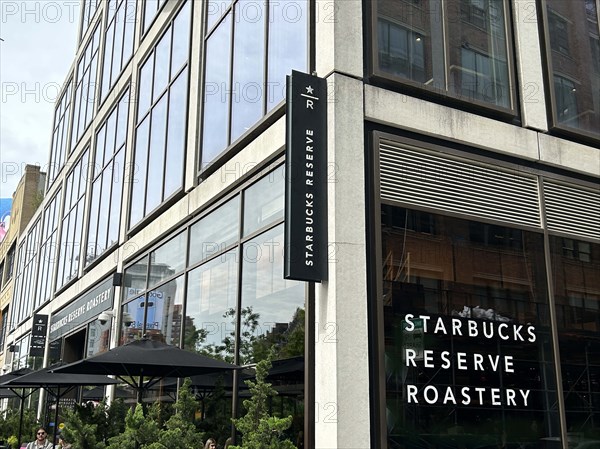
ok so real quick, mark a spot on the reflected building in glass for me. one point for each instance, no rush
(461, 308)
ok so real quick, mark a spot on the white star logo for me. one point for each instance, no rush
(309, 90)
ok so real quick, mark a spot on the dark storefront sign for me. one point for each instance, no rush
(86, 307)
(38, 335)
(306, 178)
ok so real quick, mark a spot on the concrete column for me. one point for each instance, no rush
(341, 349)
(529, 65)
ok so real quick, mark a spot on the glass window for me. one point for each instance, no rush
(164, 311)
(98, 338)
(211, 307)
(135, 311)
(107, 177)
(10, 263)
(215, 232)
(151, 9)
(466, 328)
(72, 222)
(156, 314)
(168, 259)
(89, 10)
(60, 141)
(24, 291)
(239, 29)
(162, 111)
(465, 55)
(85, 89)
(577, 299)
(229, 278)
(572, 56)
(48, 250)
(118, 46)
(272, 307)
(265, 201)
(3, 328)
(135, 278)
(248, 69)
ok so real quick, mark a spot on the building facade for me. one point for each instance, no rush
(26, 199)
(462, 304)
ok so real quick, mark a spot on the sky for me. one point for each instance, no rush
(37, 50)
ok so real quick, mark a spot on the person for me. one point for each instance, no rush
(228, 442)
(41, 440)
(63, 444)
(211, 443)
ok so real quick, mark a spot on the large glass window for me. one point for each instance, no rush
(48, 250)
(89, 10)
(10, 263)
(161, 120)
(458, 48)
(247, 59)
(118, 45)
(107, 177)
(218, 281)
(572, 54)
(60, 140)
(3, 328)
(85, 90)
(151, 10)
(24, 294)
(575, 268)
(72, 222)
(466, 325)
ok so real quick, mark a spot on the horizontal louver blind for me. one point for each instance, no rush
(421, 178)
(572, 209)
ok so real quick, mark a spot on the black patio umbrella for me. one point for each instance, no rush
(12, 393)
(147, 358)
(56, 384)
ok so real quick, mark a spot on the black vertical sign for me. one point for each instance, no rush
(38, 335)
(306, 178)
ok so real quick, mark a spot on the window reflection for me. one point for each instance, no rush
(465, 54)
(98, 338)
(238, 29)
(573, 61)
(272, 307)
(226, 269)
(85, 90)
(60, 139)
(446, 273)
(267, 201)
(575, 268)
(215, 232)
(211, 307)
(72, 222)
(162, 109)
(107, 182)
(118, 45)
(168, 259)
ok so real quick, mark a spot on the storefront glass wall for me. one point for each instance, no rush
(226, 284)
(468, 346)
(575, 272)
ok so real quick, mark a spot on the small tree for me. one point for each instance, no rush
(179, 431)
(9, 425)
(260, 430)
(139, 430)
(81, 434)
